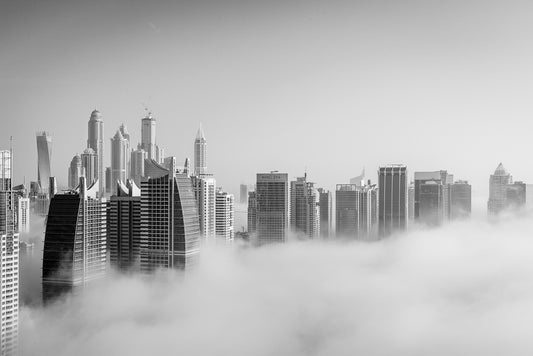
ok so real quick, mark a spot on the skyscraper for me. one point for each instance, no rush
(356, 211)
(96, 142)
(498, 190)
(23, 214)
(124, 227)
(44, 157)
(75, 171)
(9, 260)
(304, 209)
(393, 200)
(148, 139)
(326, 212)
(273, 215)
(252, 212)
(243, 194)
(120, 159)
(205, 194)
(225, 216)
(74, 252)
(170, 231)
(89, 162)
(460, 199)
(516, 195)
(200, 153)
(138, 157)
(432, 205)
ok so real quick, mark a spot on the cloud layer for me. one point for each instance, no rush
(464, 289)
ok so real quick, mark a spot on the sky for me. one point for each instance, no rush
(327, 87)
(464, 289)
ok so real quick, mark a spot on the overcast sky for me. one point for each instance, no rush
(327, 86)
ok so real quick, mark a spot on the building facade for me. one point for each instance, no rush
(225, 216)
(200, 153)
(148, 139)
(89, 162)
(170, 230)
(120, 159)
(124, 227)
(44, 158)
(252, 212)
(498, 183)
(74, 252)
(393, 200)
(273, 214)
(326, 213)
(460, 200)
(304, 208)
(356, 211)
(138, 157)
(75, 171)
(205, 194)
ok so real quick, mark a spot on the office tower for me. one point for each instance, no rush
(356, 210)
(516, 195)
(200, 153)
(273, 215)
(169, 162)
(393, 200)
(498, 190)
(411, 202)
(460, 199)
(138, 157)
(225, 218)
(89, 162)
(205, 195)
(126, 135)
(75, 171)
(326, 212)
(170, 231)
(5, 170)
(44, 157)
(148, 139)
(435, 209)
(23, 214)
(187, 166)
(96, 142)
(243, 196)
(304, 208)
(124, 227)
(120, 159)
(74, 252)
(9, 259)
(252, 212)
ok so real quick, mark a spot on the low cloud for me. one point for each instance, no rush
(463, 289)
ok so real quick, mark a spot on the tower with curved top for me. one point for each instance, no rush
(95, 141)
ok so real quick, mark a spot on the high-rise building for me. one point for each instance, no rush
(252, 212)
(498, 190)
(304, 209)
(434, 208)
(9, 260)
(243, 196)
(44, 157)
(126, 135)
(120, 159)
(5, 170)
(411, 202)
(205, 193)
(148, 139)
(326, 213)
(89, 162)
(516, 195)
(124, 227)
(138, 157)
(273, 214)
(75, 171)
(74, 252)
(460, 200)
(356, 211)
(225, 216)
(108, 180)
(96, 142)
(170, 231)
(42, 201)
(393, 200)
(200, 153)
(23, 214)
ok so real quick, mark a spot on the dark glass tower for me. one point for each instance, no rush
(393, 199)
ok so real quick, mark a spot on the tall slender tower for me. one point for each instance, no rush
(326, 212)
(44, 156)
(9, 262)
(498, 184)
(96, 142)
(89, 162)
(200, 153)
(124, 131)
(205, 193)
(75, 171)
(137, 164)
(393, 199)
(224, 216)
(120, 157)
(148, 139)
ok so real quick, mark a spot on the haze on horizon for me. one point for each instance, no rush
(330, 87)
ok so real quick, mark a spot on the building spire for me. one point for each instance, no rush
(200, 134)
